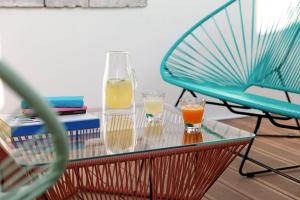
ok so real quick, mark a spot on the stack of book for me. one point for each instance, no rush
(22, 131)
(24, 128)
(63, 105)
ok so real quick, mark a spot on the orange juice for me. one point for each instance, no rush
(192, 114)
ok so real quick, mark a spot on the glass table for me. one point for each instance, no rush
(136, 158)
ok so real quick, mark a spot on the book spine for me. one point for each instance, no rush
(68, 101)
(66, 112)
(76, 138)
(69, 126)
(71, 112)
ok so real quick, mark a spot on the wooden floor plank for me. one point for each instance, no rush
(290, 145)
(220, 191)
(273, 151)
(250, 187)
(276, 182)
(281, 152)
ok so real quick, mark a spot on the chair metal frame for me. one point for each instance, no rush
(36, 187)
(245, 156)
(175, 57)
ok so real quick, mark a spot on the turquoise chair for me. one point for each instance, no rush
(19, 182)
(227, 52)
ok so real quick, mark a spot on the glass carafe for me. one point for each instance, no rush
(118, 119)
(118, 84)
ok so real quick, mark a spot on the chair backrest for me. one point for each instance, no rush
(30, 181)
(229, 48)
(279, 68)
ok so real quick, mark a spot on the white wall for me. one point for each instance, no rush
(62, 51)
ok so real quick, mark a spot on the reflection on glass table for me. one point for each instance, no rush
(132, 137)
(136, 159)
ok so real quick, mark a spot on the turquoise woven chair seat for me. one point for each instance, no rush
(238, 96)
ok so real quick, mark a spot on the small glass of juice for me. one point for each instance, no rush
(192, 112)
(153, 104)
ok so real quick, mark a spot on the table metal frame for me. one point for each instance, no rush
(179, 173)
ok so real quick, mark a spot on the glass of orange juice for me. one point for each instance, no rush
(192, 112)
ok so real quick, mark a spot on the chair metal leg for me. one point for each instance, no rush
(193, 93)
(289, 100)
(268, 169)
(279, 136)
(272, 120)
(245, 156)
(297, 127)
(180, 96)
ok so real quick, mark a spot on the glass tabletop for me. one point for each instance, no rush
(124, 135)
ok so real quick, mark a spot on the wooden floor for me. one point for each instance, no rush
(273, 151)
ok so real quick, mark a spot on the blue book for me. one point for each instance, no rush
(15, 126)
(60, 102)
(41, 142)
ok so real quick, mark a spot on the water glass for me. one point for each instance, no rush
(153, 104)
